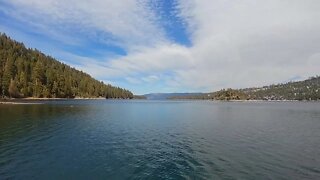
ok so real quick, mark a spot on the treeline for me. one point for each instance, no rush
(221, 95)
(302, 90)
(29, 73)
(139, 97)
(228, 94)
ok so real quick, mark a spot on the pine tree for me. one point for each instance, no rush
(13, 90)
(7, 75)
(37, 75)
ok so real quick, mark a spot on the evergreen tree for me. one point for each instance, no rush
(29, 73)
(7, 75)
(13, 90)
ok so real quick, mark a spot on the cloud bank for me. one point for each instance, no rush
(233, 43)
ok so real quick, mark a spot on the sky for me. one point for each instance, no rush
(173, 45)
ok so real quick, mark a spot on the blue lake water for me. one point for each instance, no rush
(103, 139)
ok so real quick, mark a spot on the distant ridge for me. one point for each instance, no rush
(301, 90)
(30, 73)
(163, 96)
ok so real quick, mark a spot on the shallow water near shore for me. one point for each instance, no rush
(138, 139)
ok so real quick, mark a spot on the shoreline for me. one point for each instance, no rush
(10, 102)
(252, 100)
(32, 100)
(42, 99)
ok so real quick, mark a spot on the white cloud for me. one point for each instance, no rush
(236, 43)
(130, 24)
(150, 79)
(133, 80)
(239, 44)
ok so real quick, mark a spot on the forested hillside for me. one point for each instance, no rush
(29, 73)
(302, 90)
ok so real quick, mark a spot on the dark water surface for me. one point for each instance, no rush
(100, 139)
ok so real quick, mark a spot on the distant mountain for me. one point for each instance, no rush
(30, 73)
(301, 90)
(163, 96)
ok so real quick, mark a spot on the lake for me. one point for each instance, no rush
(131, 139)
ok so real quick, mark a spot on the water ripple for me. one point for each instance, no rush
(142, 140)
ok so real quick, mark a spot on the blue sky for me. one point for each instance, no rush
(174, 45)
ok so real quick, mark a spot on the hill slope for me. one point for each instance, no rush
(302, 90)
(29, 73)
(163, 96)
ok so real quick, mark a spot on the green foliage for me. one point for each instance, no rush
(13, 90)
(302, 90)
(229, 94)
(222, 95)
(29, 73)
(139, 97)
